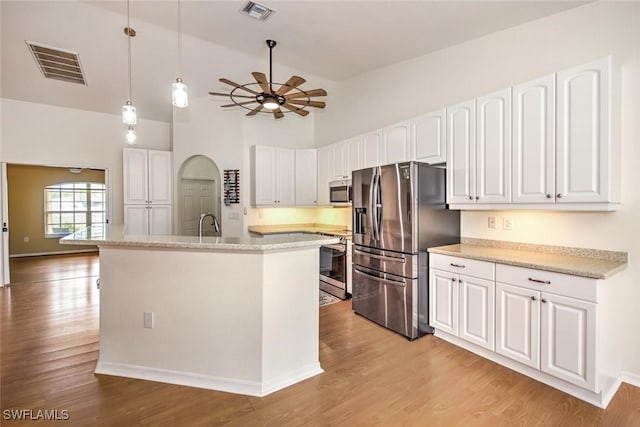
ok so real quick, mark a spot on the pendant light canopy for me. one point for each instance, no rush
(129, 115)
(179, 90)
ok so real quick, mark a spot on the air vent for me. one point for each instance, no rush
(256, 11)
(57, 63)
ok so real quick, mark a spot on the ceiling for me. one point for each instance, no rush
(330, 41)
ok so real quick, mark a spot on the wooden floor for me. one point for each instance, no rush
(49, 347)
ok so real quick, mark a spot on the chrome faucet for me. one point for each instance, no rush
(215, 223)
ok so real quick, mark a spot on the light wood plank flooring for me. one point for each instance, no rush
(49, 347)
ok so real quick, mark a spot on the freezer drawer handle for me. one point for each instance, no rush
(457, 265)
(382, 257)
(381, 279)
(544, 282)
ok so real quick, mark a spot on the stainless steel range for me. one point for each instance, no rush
(334, 268)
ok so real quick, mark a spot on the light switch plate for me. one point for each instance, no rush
(507, 223)
(148, 321)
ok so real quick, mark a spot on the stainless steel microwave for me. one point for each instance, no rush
(340, 192)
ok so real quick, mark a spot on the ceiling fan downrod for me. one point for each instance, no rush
(271, 44)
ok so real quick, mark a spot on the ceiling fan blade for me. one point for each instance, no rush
(300, 111)
(278, 114)
(229, 82)
(307, 94)
(239, 103)
(317, 104)
(255, 110)
(292, 83)
(262, 81)
(235, 96)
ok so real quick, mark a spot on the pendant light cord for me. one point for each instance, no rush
(129, 48)
(179, 40)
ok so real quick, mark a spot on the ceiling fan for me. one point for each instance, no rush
(272, 96)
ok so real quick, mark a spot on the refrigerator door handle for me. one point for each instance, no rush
(381, 279)
(372, 204)
(382, 257)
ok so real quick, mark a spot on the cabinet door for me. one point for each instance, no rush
(306, 183)
(518, 324)
(477, 311)
(135, 175)
(443, 301)
(493, 148)
(354, 154)
(396, 143)
(428, 137)
(286, 177)
(325, 174)
(160, 220)
(461, 153)
(534, 141)
(136, 219)
(159, 177)
(567, 340)
(264, 181)
(584, 131)
(340, 160)
(371, 148)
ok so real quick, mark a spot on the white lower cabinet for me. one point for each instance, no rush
(144, 219)
(544, 321)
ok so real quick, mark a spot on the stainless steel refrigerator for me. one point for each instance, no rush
(399, 211)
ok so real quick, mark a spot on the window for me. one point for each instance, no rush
(73, 206)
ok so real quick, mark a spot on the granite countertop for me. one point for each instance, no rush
(336, 230)
(598, 265)
(113, 235)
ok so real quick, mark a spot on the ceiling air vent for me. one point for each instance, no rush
(57, 63)
(256, 11)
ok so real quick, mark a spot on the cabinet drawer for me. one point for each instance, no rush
(469, 267)
(547, 281)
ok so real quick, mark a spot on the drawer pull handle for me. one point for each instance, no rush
(533, 298)
(544, 282)
(453, 280)
(543, 300)
(457, 265)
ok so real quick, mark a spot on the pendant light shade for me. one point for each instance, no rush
(179, 90)
(179, 94)
(131, 135)
(129, 116)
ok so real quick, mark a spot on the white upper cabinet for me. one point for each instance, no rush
(136, 187)
(273, 180)
(371, 149)
(354, 154)
(340, 161)
(325, 173)
(493, 148)
(160, 177)
(306, 185)
(584, 154)
(534, 141)
(428, 136)
(461, 153)
(396, 143)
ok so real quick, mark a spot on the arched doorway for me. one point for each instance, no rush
(199, 191)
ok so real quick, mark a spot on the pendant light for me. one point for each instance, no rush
(179, 91)
(129, 116)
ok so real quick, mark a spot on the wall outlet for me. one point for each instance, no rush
(507, 223)
(148, 319)
(491, 222)
(26, 239)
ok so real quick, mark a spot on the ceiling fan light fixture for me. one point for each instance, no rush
(179, 94)
(270, 103)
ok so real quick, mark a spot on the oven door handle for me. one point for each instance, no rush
(381, 279)
(381, 257)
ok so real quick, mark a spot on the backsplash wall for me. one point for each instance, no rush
(272, 216)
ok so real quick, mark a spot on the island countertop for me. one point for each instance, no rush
(113, 235)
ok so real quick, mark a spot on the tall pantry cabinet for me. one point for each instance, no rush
(147, 191)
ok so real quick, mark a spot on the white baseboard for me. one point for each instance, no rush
(631, 378)
(79, 251)
(230, 385)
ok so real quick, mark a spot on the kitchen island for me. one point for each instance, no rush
(232, 314)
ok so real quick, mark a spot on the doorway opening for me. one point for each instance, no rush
(199, 191)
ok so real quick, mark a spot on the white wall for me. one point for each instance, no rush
(47, 135)
(498, 61)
